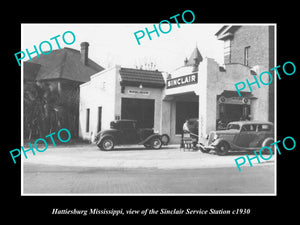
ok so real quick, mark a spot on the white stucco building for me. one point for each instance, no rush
(200, 88)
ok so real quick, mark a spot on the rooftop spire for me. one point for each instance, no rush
(195, 59)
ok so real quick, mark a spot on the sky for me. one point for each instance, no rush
(111, 44)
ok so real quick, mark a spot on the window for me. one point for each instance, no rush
(87, 125)
(99, 125)
(227, 51)
(264, 127)
(233, 127)
(249, 127)
(246, 55)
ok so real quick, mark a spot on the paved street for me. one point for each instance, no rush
(70, 180)
(83, 169)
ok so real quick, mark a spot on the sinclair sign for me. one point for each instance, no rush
(182, 81)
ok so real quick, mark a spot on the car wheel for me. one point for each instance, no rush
(222, 148)
(268, 142)
(107, 144)
(156, 143)
(165, 139)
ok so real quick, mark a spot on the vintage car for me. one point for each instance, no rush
(241, 135)
(126, 132)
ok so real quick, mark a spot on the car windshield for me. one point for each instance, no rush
(233, 127)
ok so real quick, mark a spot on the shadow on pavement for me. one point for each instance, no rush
(140, 148)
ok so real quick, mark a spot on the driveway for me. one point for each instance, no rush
(84, 169)
(169, 157)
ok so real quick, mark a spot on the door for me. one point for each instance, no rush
(129, 132)
(246, 136)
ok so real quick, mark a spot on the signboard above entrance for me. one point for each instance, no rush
(234, 100)
(133, 92)
(182, 81)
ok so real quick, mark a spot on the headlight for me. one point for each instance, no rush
(215, 137)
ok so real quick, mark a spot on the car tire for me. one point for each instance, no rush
(222, 148)
(107, 144)
(165, 139)
(156, 143)
(268, 142)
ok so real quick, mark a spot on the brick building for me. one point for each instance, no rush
(251, 46)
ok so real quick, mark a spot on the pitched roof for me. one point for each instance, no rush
(65, 63)
(196, 55)
(30, 71)
(148, 78)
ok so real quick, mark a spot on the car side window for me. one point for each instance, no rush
(248, 127)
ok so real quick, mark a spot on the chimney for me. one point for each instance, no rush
(84, 52)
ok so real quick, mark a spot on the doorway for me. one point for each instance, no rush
(185, 110)
(141, 110)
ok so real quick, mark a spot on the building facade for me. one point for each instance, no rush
(200, 88)
(120, 93)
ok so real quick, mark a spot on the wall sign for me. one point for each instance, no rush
(234, 100)
(133, 92)
(182, 81)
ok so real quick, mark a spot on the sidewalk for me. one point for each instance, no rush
(169, 157)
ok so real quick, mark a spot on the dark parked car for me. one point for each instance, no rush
(126, 132)
(241, 135)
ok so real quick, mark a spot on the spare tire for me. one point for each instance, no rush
(165, 139)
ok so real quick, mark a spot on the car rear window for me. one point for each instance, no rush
(264, 127)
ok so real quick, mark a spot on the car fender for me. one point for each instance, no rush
(269, 139)
(150, 137)
(219, 140)
(105, 136)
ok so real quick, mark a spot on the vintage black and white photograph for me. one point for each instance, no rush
(148, 109)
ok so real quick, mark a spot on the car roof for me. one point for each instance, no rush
(251, 122)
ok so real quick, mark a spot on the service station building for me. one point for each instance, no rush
(200, 88)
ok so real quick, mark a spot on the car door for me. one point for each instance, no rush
(129, 133)
(246, 136)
